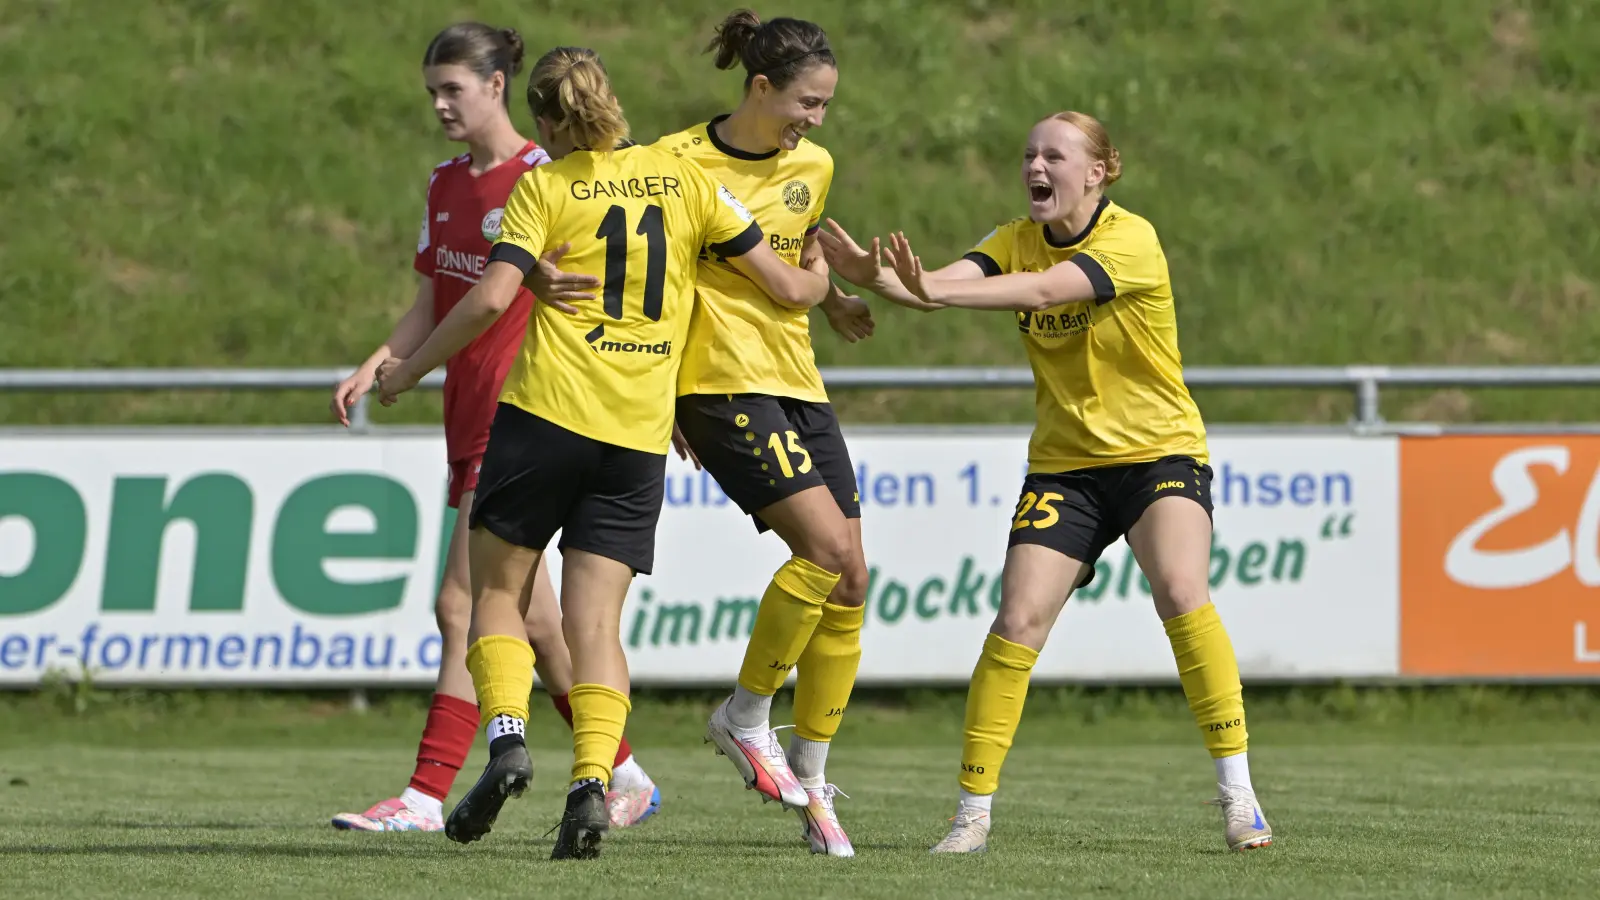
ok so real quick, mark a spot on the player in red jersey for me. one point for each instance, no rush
(467, 69)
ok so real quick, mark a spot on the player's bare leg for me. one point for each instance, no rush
(452, 723)
(816, 531)
(501, 662)
(826, 675)
(593, 589)
(1172, 544)
(633, 797)
(1035, 585)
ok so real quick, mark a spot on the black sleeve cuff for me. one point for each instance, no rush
(986, 263)
(740, 244)
(511, 253)
(1104, 290)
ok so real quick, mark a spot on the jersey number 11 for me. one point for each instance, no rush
(614, 230)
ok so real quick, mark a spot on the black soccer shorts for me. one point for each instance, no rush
(539, 478)
(762, 449)
(1082, 512)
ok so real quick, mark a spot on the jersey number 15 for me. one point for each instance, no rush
(614, 231)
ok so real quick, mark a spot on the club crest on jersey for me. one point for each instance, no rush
(797, 196)
(491, 224)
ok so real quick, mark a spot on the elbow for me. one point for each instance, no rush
(493, 304)
(803, 293)
(1039, 299)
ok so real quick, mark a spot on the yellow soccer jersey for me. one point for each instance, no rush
(638, 219)
(740, 341)
(1107, 373)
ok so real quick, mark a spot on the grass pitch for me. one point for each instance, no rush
(1418, 794)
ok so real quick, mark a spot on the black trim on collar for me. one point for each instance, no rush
(735, 152)
(1080, 236)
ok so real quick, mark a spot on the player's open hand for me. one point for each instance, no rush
(557, 288)
(394, 378)
(849, 316)
(853, 263)
(908, 266)
(680, 444)
(348, 393)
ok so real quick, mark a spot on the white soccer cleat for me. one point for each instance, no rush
(759, 758)
(820, 825)
(1246, 828)
(633, 806)
(969, 833)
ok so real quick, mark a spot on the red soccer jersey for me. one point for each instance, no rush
(460, 224)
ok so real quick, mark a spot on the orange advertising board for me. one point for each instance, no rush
(1500, 556)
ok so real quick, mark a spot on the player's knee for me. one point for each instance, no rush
(1179, 595)
(853, 581)
(829, 549)
(453, 612)
(1023, 623)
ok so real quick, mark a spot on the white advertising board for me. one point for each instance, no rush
(277, 559)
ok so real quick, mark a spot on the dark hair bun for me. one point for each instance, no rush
(516, 48)
(733, 36)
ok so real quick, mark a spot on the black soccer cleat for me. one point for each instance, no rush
(507, 775)
(584, 824)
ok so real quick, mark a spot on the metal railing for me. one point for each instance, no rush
(1364, 381)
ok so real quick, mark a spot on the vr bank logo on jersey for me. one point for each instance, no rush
(599, 344)
(1055, 324)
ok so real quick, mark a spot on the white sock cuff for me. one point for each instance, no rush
(748, 710)
(1234, 771)
(504, 724)
(808, 759)
(984, 802)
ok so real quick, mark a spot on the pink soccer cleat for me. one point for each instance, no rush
(759, 758)
(820, 825)
(390, 815)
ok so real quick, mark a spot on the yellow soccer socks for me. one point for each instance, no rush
(1210, 676)
(599, 714)
(994, 708)
(502, 675)
(789, 613)
(827, 673)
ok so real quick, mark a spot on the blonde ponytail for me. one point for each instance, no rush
(569, 87)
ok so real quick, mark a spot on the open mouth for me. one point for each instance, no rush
(1040, 192)
(793, 133)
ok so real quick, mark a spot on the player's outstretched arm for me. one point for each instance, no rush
(488, 299)
(407, 336)
(865, 268)
(787, 285)
(1020, 291)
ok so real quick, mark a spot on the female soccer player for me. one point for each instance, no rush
(1119, 449)
(467, 68)
(585, 418)
(753, 411)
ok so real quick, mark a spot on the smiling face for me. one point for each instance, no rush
(786, 114)
(464, 103)
(1058, 170)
